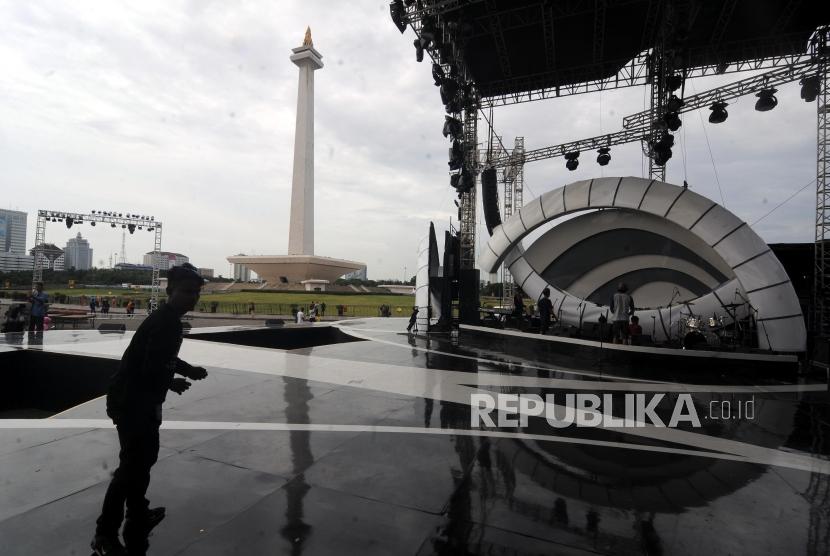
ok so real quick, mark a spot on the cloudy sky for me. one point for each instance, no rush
(185, 110)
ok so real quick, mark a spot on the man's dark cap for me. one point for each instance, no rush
(183, 273)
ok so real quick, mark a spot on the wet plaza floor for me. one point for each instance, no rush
(371, 447)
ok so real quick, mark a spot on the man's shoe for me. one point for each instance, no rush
(107, 546)
(144, 524)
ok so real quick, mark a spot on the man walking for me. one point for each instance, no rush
(545, 311)
(136, 393)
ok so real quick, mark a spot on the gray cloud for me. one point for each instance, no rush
(185, 110)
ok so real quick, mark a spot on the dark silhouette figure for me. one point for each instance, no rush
(38, 299)
(545, 311)
(413, 319)
(134, 401)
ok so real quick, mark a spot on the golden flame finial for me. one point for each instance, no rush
(307, 40)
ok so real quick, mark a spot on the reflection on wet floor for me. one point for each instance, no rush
(252, 462)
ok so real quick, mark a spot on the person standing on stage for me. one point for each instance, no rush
(622, 307)
(136, 393)
(38, 299)
(545, 311)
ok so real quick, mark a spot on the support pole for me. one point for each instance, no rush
(467, 225)
(155, 285)
(40, 239)
(821, 300)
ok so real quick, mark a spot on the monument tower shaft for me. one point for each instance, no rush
(301, 230)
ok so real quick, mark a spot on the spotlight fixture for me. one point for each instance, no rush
(674, 82)
(69, 222)
(398, 13)
(437, 74)
(449, 90)
(123, 225)
(572, 160)
(131, 228)
(113, 225)
(454, 127)
(604, 156)
(92, 223)
(672, 121)
(149, 229)
(662, 149)
(456, 155)
(674, 104)
(719, 113)
(809, 87)
(766, 100)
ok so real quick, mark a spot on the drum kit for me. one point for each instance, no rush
(697, 332)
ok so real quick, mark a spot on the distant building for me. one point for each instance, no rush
(13, 231)
(359, 274)
(168, 259)
(404, 289)
(11, 262)
(13, 241)
(131, 266)
(205, 272)
(78, 253)
(51, 256)
(241, 273)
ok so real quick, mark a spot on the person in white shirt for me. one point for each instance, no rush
(300, 316)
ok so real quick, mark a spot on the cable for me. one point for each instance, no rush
(709, 146)
(787, 200)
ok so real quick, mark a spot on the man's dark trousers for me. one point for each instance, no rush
(139, 439)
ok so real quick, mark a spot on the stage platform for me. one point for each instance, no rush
(355, 438)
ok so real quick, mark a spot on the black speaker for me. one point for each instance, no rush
(490, 199)
(112, 328)
(468, 296)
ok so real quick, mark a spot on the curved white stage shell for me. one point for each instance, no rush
(713, 248)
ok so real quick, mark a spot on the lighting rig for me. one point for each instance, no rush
(130, 222)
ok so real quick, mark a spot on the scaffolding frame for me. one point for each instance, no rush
(115, 220)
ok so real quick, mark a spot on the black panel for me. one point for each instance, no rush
(643, 276)
(490, 199)
(610, 245)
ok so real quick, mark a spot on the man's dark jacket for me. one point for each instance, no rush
(140, 386)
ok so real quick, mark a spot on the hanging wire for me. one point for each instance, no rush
(709, 146)
(785, 201)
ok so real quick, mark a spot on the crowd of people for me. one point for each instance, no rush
(316, 311)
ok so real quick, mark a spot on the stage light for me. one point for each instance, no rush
(449, 90)
(113, 224)
(719, 113)
(92, 223)
(674, 104)
(131, 228)
(662, 149)
(69, 222)
(437, 74)
(456, 155)
(674, 82)
(139, 227)
(766, 100)
(398, 13)
(572, 160)
(604, 156)
(123, 225)
(672, 121)
(454, 127)
(809, 87)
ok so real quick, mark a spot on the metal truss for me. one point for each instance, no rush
(633, 73)
(115, 220)
(591, 143)
(732, 90)
(467, 224)
(821, 271)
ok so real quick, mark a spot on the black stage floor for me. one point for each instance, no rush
(366, 447)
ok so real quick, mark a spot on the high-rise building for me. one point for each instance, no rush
(78, 253)
(51, 256)
(168, 259)
(13, 231)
